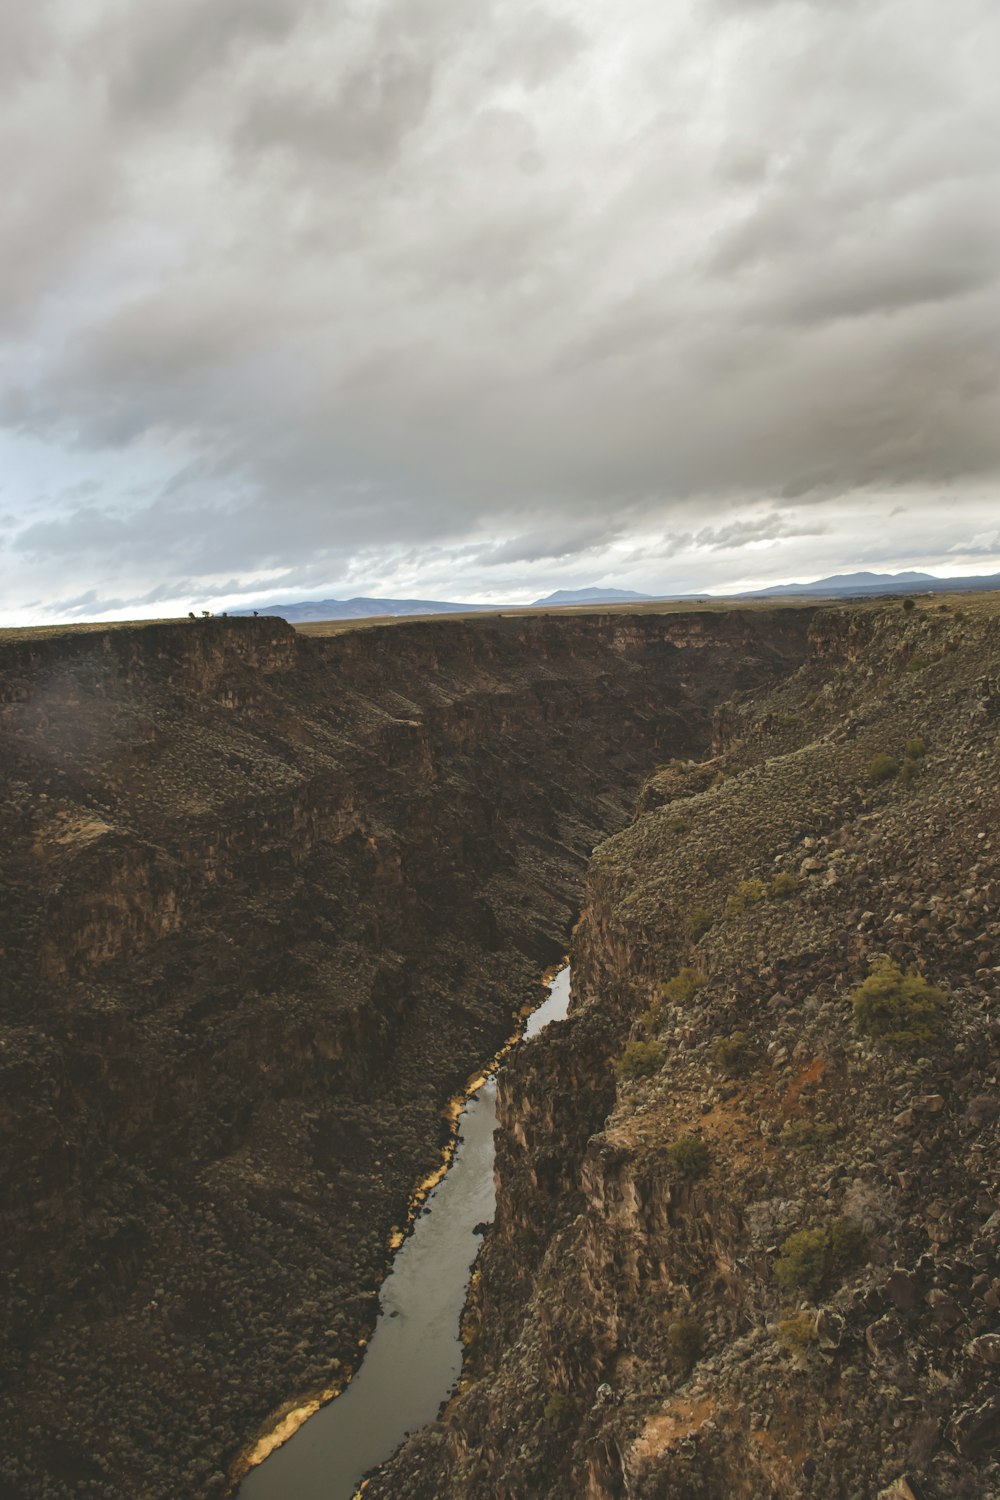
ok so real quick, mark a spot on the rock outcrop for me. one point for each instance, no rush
(267, 900)
(748, 1231)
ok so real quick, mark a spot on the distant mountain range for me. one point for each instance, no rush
(592, 596)
(860, 583)
(838, 585)
(853, 585)
(364, 608)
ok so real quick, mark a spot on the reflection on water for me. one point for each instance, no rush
(415, 1354)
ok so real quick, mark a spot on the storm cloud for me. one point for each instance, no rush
(402, 296)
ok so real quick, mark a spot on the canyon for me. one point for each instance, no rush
(268, 900)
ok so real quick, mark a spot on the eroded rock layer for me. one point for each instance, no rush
(748, 1232)
(266, 902)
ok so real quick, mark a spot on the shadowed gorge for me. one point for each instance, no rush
(267, 900)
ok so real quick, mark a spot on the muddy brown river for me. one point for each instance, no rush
(414, 1358)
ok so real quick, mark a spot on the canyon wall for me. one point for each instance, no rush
(267, 900)
(748, 1230)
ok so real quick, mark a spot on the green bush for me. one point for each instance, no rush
(803, 1259)
(847, 1242)
(690, 1156)
(784, 885)
(882, 768)
(733, 1054)
(685, 1341)
(806, 1134)
(699, 921)
(683, 987)
(748, 893)
(809, 1256)
(899, 1008)
(559, 1409)
(797, 1332)
(915, 751)
(639, 1060)
(651, 1020)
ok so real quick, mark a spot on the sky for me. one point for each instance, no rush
(424, 298)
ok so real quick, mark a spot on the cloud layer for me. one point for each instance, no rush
(299, 294)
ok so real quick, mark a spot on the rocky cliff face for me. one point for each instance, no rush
(748, 1235)
(266, 902)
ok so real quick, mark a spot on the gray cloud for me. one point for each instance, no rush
(361, 124)
(153, 56)
(298, 285)
(765, 528)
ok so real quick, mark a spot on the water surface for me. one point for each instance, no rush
(414, 1358)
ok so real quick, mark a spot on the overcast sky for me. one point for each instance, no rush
(476, 300)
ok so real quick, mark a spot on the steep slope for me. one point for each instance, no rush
(267, 901)
(764, 1259)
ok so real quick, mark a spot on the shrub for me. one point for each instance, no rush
(685, 1340)
(909, 603)
(747, 893)
(651, 1020)
(882, 768)
(733, 1054)
(806, 1134)
(809, 1256)
(639, 1060)
(847, 1243)
(916, 748)
(699, 922)
(797, 1332)
(899, 1008)
(559, 1409)
(784, 885)
(690, 1156)
(803, 1259)
(679, 825)
(683, 987)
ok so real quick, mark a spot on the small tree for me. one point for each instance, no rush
(797, 1332)
(690, 1156)
(734, 1053)
(803, 1260)
(809, 1256)
(748, 893)
(699, 921)
(683, 987)
(882, 768)
(903, 1009)
(639, 1060)
(685, 1340)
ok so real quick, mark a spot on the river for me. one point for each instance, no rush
(414, 1358)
